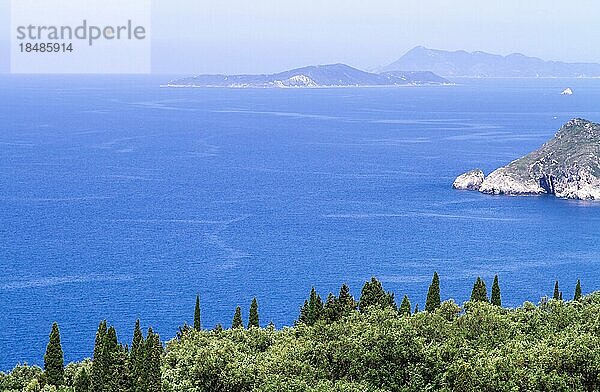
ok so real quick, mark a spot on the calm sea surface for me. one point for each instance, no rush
(119, 200)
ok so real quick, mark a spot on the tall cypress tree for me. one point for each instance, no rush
(138, 338)
(110, 370)
(483, 289)
(100, 361)
(346, 301)
(197, 324)
(330, 309)
(253, 320)
(496, 299)
(475, 290)
(154, 352)
(237, 319)
(405, 307)
(112, 342)
(336, 308)
(373, 295)
(119, 371)
(556, 291)
(479, 292)
(316, 305)
(54, 364)
(433, 294)
(304, 313)
(577, 296)
(137, 360)
(116, 372)
(312, 310)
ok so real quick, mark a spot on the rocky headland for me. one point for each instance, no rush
(567, 166)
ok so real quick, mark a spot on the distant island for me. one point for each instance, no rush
(567, 166)
(333, 75)
(567, 91)
(481, 64)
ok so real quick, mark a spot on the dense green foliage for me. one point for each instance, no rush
(341, 346)
(54, 364)
(479, 347)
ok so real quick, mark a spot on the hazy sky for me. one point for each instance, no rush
(236, 36)
(4, 34)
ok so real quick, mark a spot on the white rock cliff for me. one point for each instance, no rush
(470, 181)
(567, 166)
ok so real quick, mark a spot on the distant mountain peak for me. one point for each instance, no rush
(483, 64)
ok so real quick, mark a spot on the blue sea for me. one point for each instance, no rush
(122, 200)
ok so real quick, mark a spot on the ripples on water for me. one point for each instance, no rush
(121, 200)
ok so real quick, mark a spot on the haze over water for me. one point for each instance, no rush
(121, 200)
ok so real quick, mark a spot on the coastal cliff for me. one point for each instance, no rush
(567, 166)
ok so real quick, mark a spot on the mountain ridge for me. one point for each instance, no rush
(479, 64)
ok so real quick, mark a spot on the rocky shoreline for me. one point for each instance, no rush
(567, 166)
